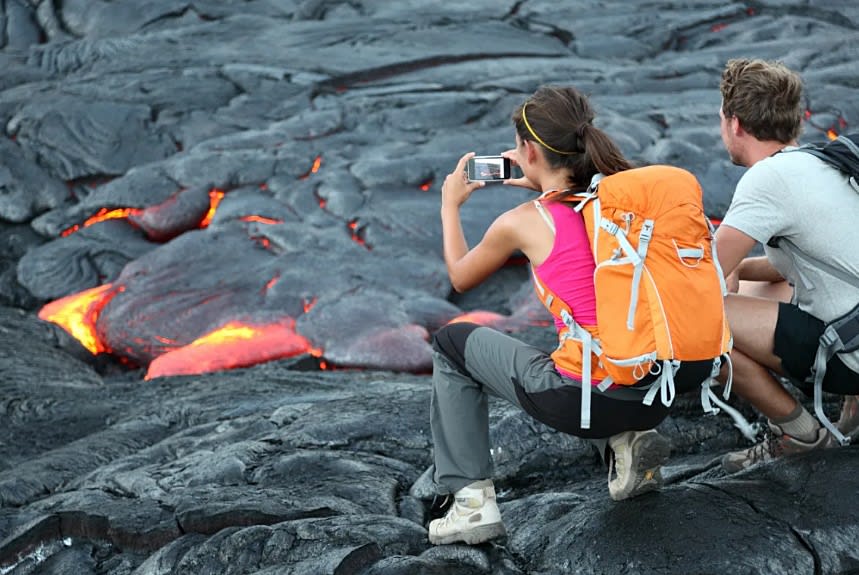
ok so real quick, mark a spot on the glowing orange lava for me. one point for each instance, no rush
(426, 185)
(102, 215)
(831, 134)
(356, 236)
(308, 305)
(215, 197)
(260, 220)
(479, 317)
(317, 353)
(313, 169)
(78, 313)
(270, 283)
(234, 345)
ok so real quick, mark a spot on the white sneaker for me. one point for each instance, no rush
(473, 518)
(637, 458)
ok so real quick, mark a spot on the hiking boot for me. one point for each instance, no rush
(636, 459)
(848, 423)
(473, 518)
(775, 444)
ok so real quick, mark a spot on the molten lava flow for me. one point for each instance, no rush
(313, 169)
(308, 305)
(718, 27)
(356, 234)
(260, 220)
(426, 185)
(103, 215)
(831, 134)
(716, 221)
(317, 353)
(263, 241)
(479, 317)
(78, 313)
(234, 345)
(270, 283)
(215, 197)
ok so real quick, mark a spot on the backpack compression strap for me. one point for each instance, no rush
(590, 345)
(840, 335)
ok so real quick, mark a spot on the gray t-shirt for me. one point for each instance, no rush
(799, 197)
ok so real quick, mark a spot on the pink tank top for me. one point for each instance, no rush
(569, 269)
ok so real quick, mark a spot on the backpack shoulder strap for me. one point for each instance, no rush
(850, 144)
(841, 274)
(841, 153)
(545, 214)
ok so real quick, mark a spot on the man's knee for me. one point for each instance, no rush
(450, 342)
(778, 291)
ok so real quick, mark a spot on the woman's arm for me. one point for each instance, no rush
(468, 268)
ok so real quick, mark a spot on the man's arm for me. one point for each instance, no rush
(732, 246)
(758, 269)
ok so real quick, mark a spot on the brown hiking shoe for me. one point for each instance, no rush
(636, 463)
(775, 444)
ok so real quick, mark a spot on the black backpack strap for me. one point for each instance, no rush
(842, 153)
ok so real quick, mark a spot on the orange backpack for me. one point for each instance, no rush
(659, 287)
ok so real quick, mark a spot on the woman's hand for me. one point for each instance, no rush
(456, 188)
(522, 182)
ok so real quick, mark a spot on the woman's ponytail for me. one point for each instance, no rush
(560, 120)
(602, 152)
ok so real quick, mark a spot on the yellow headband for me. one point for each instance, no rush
(536, 137)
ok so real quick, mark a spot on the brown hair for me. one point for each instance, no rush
(765, 97)
(560, 120)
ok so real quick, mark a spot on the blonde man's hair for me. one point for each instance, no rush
(766, 97)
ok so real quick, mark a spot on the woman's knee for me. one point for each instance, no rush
(450, 341)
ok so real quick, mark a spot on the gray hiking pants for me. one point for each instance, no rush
(471, 362)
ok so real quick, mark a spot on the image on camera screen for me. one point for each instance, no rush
(489, 169)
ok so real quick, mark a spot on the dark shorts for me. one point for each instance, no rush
(796, 340)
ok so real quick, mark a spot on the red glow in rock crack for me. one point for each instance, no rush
(261, 220)
(215, 197)
(313, 169)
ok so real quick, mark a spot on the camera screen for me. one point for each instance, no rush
(489, 168)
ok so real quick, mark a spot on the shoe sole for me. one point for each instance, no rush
(651, 451)
(474, 536)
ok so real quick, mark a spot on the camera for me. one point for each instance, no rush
(488, 169)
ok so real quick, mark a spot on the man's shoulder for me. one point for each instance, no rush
(789, 168)
(794, 160)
